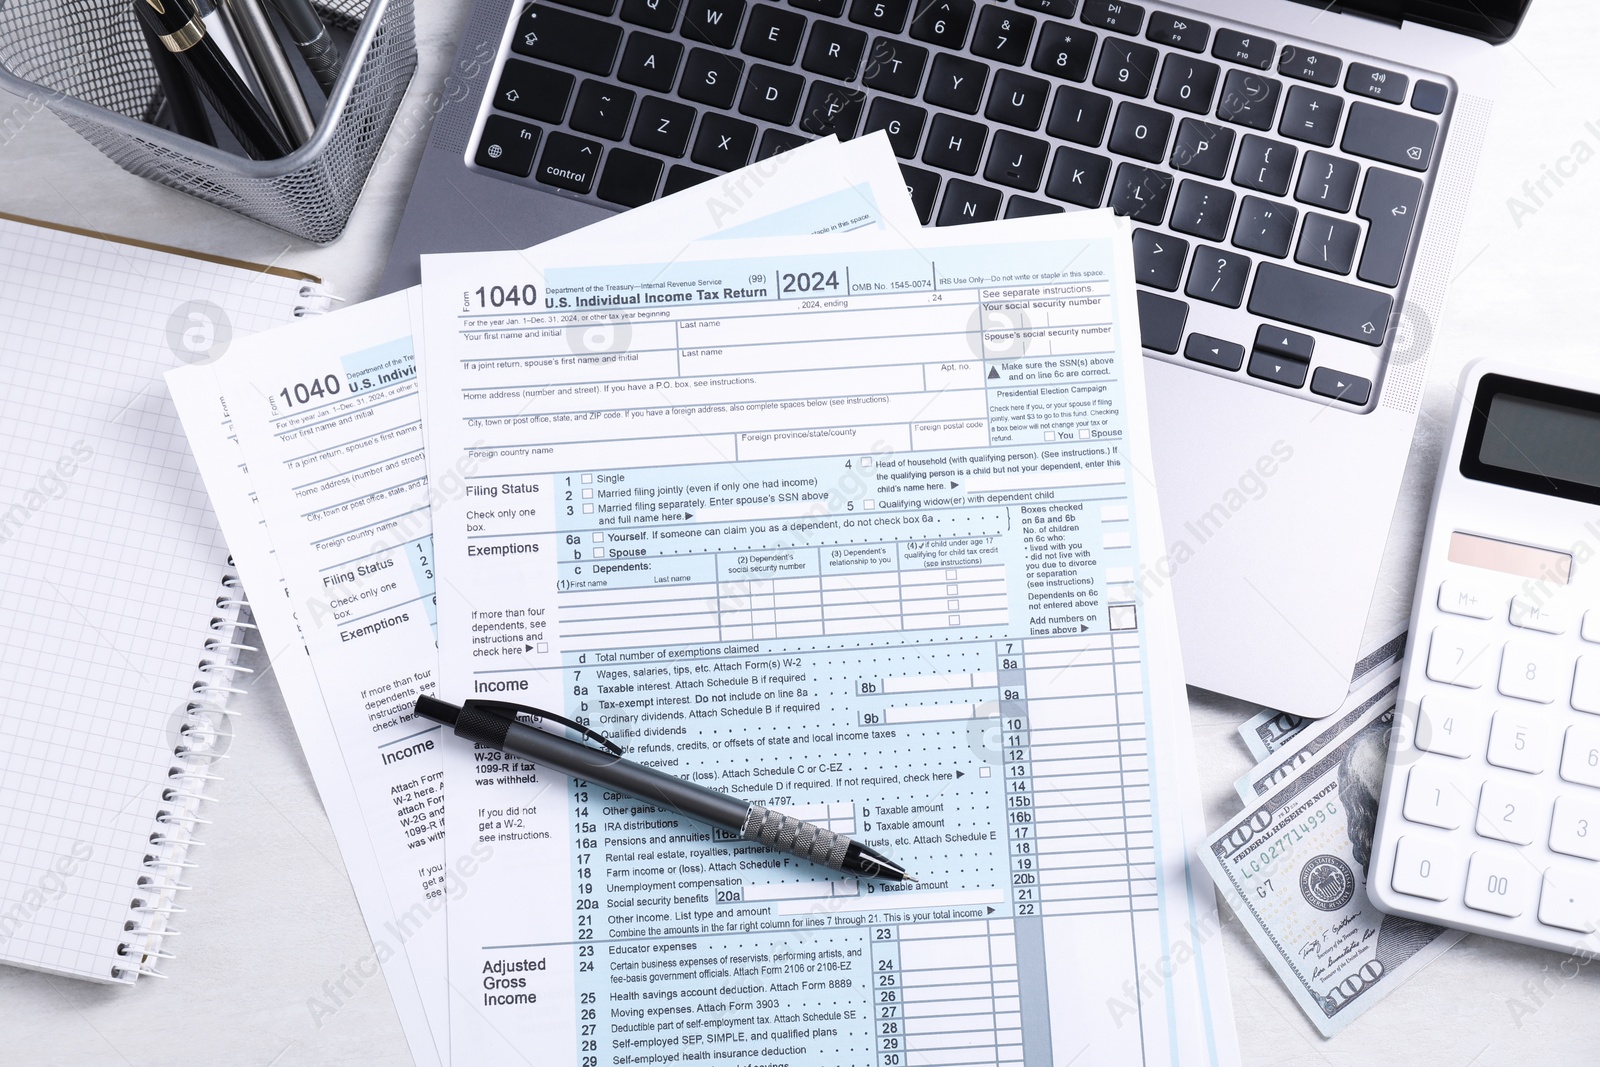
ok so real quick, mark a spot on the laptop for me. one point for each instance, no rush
(1296, 175)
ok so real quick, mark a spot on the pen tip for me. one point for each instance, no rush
(907, 878)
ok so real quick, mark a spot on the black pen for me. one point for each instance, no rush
(494, 723)
(184, 108)
(184, 35)
(311, 37)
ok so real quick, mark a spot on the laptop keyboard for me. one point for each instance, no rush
(1275, 187)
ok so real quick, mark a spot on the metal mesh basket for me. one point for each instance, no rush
(86, 61)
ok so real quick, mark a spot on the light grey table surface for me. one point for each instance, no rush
(272, 922)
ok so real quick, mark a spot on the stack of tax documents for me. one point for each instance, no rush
(785, 495)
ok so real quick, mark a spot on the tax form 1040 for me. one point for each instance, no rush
(852, 526)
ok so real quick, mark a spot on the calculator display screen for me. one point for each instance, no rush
(1534, 436)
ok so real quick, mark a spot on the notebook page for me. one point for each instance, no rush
(110, 569)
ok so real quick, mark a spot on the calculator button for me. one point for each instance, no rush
(1531, 614)
(1434, 798)
(1580, 755)
(1464, 598)
(1520, 740)
(1591, 626)
(1451, 726)
(1575, 827)
(1528, 672)
(1570, 900)
(1500, 882)
(1586, 684)
(1457, 656)
(1509, 813)
(1425, 868)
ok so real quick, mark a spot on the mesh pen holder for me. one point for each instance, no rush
(87, 62)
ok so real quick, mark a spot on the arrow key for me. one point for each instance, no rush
(1214, 352)
(1265, 365)
(1336, 385)
(1285, 343)
(1158, 260)
(569, 162)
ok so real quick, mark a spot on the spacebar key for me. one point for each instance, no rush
(1322, 304)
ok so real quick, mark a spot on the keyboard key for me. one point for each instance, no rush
(1187, 84)
(1158, 261)
(1249, 100)
(774, 33)
(1246, 48)
(1064, 51)
(942, 22)
(1390, 136)
(1200, 209)
(1328, 243)
(1336, 385)
(776, 142)
(1016, 160)
(1580, 755)
(1021, 207)
(1500, 882)
(831, 8)
(771, 94)
(1389, 203)
(1113, 15)
(1590, 630)
(956, 83)
(1510, 813)
(1570, 900)
(886, 15)
(1079, 115)
(1311, 116)
(1202, 148)
(599, 7)
(507, 146)
(723, 143)
(1387, 85)
(1317, 302)
(532, 91)
(1264, 165)
(1529, 613)
(1273, 368)
(629, 179)
(1586, 684)
(1285, 343)
(712, 22)
(651, 14)
(835, 51)
(1328, 182)
(1080, 178)
(1161, 322)
(1434, 797)
(1460, 597)
(1425, 867)
(1520, 740)
(1458, 655)
(1126, 67)
(1430, 97)
(1449, 725)
(902, 123)
(680, 178)
(1018, 100)
(649, 61)
(1213, 352)
(602, 109)
(966, 202)
(569, 162)
(923, 187)
(1140, 132)
(1003, 35)
(1059, 8)
(894, 67)
(710, 78)
(1218, 276)
(1305, 65)
(571, 40)
(1265, 226)
(662, 126)
(1575, 826)
(955, 144)
(831, 110)
(1178, 31)
(1530, 670)
(1141, 194)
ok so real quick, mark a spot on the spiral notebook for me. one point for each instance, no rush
(120, 621)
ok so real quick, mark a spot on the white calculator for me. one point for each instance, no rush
(1490, 819)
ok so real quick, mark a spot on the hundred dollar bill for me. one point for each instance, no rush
(1269, 730)
(1293, 866)
(1318, 734)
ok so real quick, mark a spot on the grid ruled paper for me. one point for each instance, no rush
(110, 569)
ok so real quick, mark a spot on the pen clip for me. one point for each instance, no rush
(507, 710)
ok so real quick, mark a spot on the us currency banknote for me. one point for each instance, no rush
(1293, 867)
(1269, 730)
(1318, 733)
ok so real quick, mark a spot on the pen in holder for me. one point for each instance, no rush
(89, 63)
